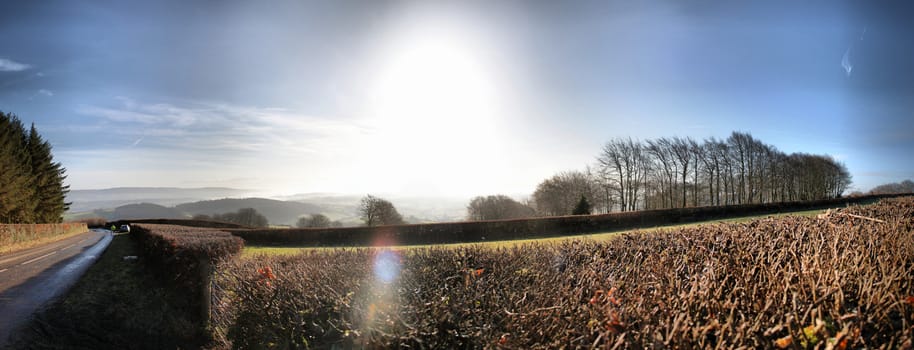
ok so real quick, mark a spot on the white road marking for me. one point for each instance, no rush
(68, 246)
(21, 256)
(38, 258)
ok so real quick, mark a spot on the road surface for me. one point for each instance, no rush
(31, 278)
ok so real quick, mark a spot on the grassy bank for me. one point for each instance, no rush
(117, 305)
(15, 237)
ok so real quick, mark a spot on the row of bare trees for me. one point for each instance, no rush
(906, 186)
(681, 172)
(497, 207)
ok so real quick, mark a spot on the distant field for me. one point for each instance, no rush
(252, 250)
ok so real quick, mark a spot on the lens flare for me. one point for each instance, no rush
(386, 265)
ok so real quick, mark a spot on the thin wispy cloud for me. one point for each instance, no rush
(7, 65)
(41, 92)
(202, 140)
(219, 128)
(846, 62)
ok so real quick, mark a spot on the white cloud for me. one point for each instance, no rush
(285, 151)
(7, 65)
(221, 133)
(846, 59)
(45, 92)
(846, 62)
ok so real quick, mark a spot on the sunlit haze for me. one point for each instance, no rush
(445, 98)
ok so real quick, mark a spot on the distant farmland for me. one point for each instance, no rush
(479, 231)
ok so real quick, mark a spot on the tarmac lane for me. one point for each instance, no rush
(32, 278)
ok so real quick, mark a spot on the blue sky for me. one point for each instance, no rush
(446, 98)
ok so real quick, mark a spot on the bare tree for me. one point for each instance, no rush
(661, 153)
(559, 194)
(497, 207)
(313, 221)
(625, 165)
(604, 182)
(376, 211)
(906, 186)
(711, 168)
(682, 153)
(672, 172)
(697, 155)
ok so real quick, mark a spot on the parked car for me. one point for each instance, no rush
(124, 228)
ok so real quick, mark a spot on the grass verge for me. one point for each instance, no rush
(603, 236)
(37, 242)
(117, 305)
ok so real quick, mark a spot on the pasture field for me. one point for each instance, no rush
(251, 250)
(840, 280)
(522, 229)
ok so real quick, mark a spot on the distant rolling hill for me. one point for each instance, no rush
(109, 198)
(140, 211)
(171, 202)
(276, 212)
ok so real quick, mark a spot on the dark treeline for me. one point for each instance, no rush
(682, 172)
(244, 216)
(906, 186)
(32, 186)
(497, 207)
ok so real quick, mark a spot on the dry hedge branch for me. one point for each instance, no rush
(795, 282)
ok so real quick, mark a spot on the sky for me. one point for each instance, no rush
(446, 98)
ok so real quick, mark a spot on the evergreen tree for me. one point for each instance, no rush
(583, 207)
(16, 205)
(31, 183)
(47, 176)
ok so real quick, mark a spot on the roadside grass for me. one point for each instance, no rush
(37, 242)
(117, 305)
(250, 251)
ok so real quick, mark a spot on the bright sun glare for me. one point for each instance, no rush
(433, 89)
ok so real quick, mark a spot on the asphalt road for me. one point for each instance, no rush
(32, 278)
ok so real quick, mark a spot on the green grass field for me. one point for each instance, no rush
(602, 236)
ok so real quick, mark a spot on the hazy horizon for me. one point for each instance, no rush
(453, 99)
